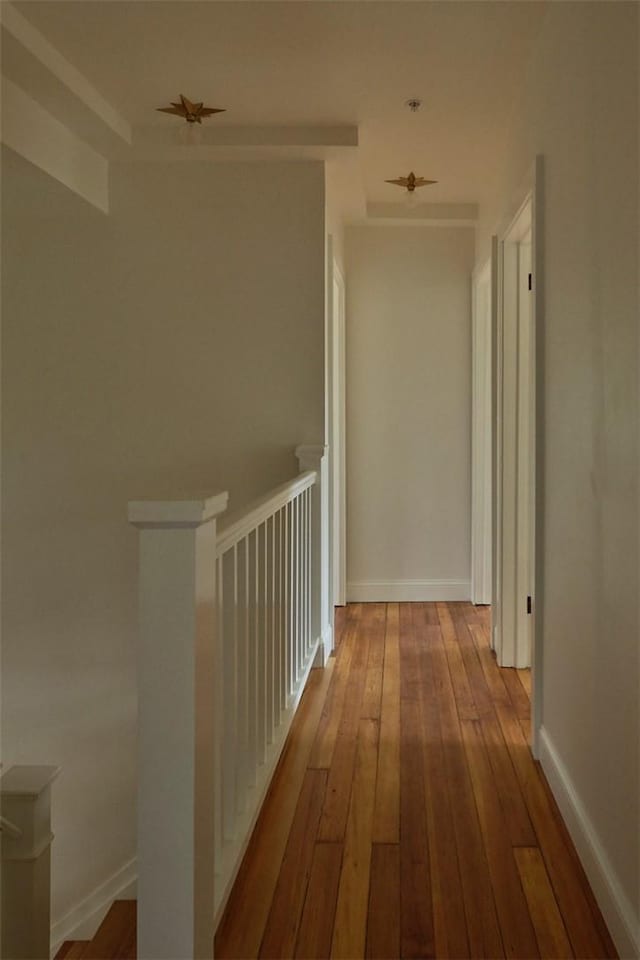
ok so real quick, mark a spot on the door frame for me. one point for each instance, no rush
(335, 408)
(529, 195)
(482, 306)
(513, 642)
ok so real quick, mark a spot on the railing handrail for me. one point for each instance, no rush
(6, 826)
(232, 529)
(232, 621)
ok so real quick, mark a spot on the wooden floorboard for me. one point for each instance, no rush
(350, 925)
(515, 922)
(545, 914)
(281, 931)
(386, 820)
(416, 906)
(318, 916)
(450, 928)
(333, 821)
(483, 930)
(375, 627)
(383, 917)
(242, 927)
(116, 936)
(327, 732)
(408, 817)
(72, 950)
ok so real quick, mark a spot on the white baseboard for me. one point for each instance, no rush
(327, 642)
(617, 910)
(398, 591)
(324, 647)
(82, 922)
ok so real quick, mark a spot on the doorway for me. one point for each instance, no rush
(516, 600)
(512, 637)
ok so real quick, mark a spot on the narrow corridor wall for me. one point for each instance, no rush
(579, 109)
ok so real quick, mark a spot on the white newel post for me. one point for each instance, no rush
(176, 672)
(314, 458)
(25, 806)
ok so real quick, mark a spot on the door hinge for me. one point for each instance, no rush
(530, 282)
(528, 604)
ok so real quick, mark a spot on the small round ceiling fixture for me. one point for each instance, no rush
(414, 104)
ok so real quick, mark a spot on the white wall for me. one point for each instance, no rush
(175, 345)
(408, 412)
(227, 269)
(580, 110)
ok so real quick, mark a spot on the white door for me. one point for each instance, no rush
(524, 456)
(516, 378)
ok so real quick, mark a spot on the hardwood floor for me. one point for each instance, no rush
(407, 817)
(115, 938)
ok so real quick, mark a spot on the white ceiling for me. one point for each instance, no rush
(318, 63)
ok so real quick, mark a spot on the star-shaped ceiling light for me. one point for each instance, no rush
(192, 112)
(411, 182)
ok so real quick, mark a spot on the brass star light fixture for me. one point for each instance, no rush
(411, 183)
(193, 113)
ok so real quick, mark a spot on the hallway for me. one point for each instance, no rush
(407, 817)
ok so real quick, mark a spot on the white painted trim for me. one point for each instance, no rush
(314, 457)
(251, 135)
(25, 801)
(496, 440)
(514, 226)
(617, 909)
(176, 651)
(82, 922)
(33, 133)
(513, 644)
(232, 529)
(449, 213)
(538, 453)
(337, 433)
(325, 647)
(27, 782)
(62, 71)
(177, 513)
(410, 220)
(398, 591)
(482, 429)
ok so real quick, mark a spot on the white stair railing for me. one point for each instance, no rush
(25, 836)
(231, 622)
